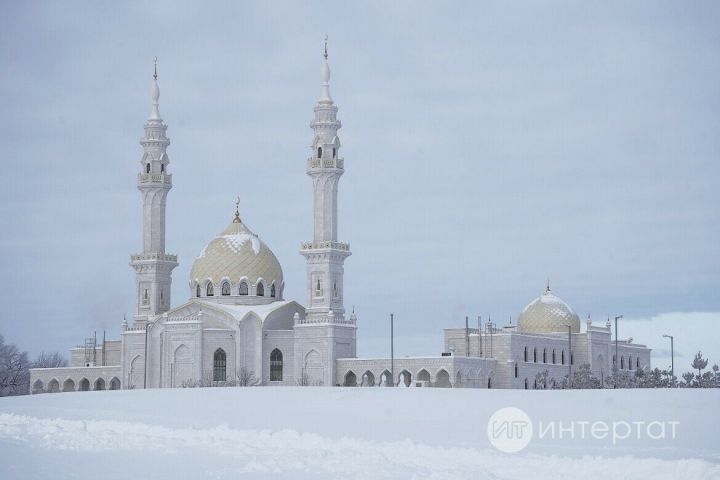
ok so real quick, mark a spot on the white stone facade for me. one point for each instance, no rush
(237, 328)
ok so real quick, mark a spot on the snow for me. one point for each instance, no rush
(235, 241)
(353, 433)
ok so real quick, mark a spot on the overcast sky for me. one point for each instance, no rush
(487, 147)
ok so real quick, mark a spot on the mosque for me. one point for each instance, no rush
(238, 329)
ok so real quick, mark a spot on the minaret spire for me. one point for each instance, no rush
(155, 113)
(153, 266)
(325, 254)
(325, 97)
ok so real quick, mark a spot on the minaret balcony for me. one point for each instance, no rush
(345, 247)
(163, 257)
(319, 163)
(155, 178)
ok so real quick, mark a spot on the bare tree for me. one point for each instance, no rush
(50, 360)
(246, 378)
(14, 370)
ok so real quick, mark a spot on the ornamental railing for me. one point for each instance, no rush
(326, 163)
(325, 245)
(164, 178)
(153, 256)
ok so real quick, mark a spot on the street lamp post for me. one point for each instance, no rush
(672, 359)
(617, 359)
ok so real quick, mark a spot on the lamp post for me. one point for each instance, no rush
(672, 359)
(570, 355)
(615, 363)
(392, 350)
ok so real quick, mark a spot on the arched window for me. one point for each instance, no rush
(225, 289)
(630, 362)
(219, 365)
(637, 362)
(162, 168)
(272, 290)
(210, 290)
(198, 292)
(544, 355)
(276, 366)
(243, 288)
(554, 359)
(622, 362)
(572, 358)
(526, 354)
(319, 152)
(535, 384)
(147, 168)
(333, 152)
(489, 382)
(526, 384)
(535, 355)
(516, 370)
(562, 357)
(260, 289)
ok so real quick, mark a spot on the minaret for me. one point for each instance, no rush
(325, 255)
(324, 329)
(153, 267)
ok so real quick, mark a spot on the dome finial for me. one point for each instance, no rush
(547, 288)
(326, 39)
(155, 74)
(237, 211)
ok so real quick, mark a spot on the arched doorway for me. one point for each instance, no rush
(442, 379)
(38, 386)
(84, 385)
(368, 379)
(115, 384)
(405, 378)
(99, 384)
(69, 385)
(53, 386)
(350, 380)
(423, 376)
(386, 379)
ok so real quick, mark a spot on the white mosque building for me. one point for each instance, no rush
(237, 327)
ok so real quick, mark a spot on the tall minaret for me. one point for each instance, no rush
(153, 267)
(324, 334)
(325, 255)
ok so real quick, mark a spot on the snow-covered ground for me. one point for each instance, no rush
(357, 433)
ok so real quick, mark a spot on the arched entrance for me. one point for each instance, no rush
(115, 384)
(69, 385)
(386, 379)
(37, 386)
(442, 379)
(350, 380)
(84, 385)
(368, 379)
(423, 376)
(53, 386)
(99, 384)
(404, 379)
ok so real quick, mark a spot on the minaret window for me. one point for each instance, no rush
(544, 355)
(526, 354)
(145, 297)
(260, 289)
(272, 290)
(243, 288)
(210, 291)
(562, 357)
(554, 359)
(225, 289)
(535, 355)
(147, 168)
(162, 168)
(319, 152)
(219, 365)
(276, 366)
(334, 152)
(197, 291)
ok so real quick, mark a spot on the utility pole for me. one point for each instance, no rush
(467, 337)
(617, 359)
(480, 351)
(672, 359)
(392, 350)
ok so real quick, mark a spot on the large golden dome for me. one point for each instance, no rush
(548, 314)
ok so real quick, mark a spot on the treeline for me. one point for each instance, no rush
(582, 378)
(15, 368)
